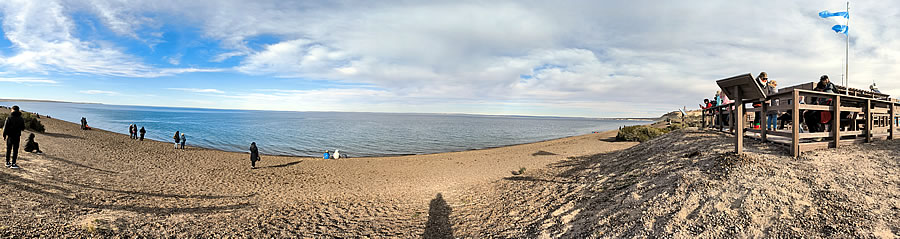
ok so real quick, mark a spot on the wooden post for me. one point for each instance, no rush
(739, 123)
(732, 120)
(795, 124)
(892, 119)
(702, 118)
(868, 120)
(836, 121)
(764, 122)
(719, 117)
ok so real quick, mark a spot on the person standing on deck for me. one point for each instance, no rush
(762, 80)
(254, 155)
(12, 130)
(825, 85)
(143, 131)
(177, 139)
(771, 115)
(182, 141)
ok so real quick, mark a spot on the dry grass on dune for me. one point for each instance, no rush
(687, 184)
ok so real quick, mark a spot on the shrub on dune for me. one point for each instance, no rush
(639, 133)
(31, 122)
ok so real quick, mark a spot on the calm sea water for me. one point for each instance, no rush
(311, 133)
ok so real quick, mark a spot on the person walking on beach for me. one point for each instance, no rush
(177, 139)
(134, 131)
(182, 141)
(12, 129)
(143, 131)
(254, 155)
(131, 131)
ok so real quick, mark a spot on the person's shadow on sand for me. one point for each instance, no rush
(438, 225)
(283, 165)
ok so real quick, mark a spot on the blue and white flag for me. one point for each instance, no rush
(839, 28)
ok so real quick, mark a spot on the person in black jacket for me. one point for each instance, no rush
(12, 129)
(177, 138)
(143, 131)
(254, 155)
(84, 125)
(31, 146)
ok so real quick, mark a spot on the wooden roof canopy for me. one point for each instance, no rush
(747, 85)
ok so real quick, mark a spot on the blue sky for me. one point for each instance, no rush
(560, 58)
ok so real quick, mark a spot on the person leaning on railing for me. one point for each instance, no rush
(762, 80)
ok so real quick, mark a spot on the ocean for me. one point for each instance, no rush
(311, 133)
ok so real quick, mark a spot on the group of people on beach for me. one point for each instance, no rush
(12, 131)
(84, 125)
(15, 124)
(179, 139)
(133, 132)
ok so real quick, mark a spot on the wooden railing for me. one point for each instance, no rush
(852, 119)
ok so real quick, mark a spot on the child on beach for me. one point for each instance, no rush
(326, 155)
(177, 139)
(182, 141)
(254, 155)
(31, 146)
(143, 131)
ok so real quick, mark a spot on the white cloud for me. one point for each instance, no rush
(196, 90)
(43, 34)
(567, 54)
(99, 92)
(27, 80)
(663, 53)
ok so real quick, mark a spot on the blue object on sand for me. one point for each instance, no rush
(326, 155)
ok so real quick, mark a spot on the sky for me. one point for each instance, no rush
(555, 58)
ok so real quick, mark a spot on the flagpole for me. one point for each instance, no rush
(847, 53)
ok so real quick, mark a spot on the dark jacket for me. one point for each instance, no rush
(825, 87)
(143, 131)
(254, 153)
(30, 145)
(14, 125)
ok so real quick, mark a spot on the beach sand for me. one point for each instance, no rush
(98, 183)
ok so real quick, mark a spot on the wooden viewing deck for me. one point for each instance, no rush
(861, 118)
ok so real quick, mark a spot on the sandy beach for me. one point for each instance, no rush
(97, 182)
(687, 183)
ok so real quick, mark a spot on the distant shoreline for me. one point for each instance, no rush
(48, 101)
(74, 124)
(633, 119)
(300, 154)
